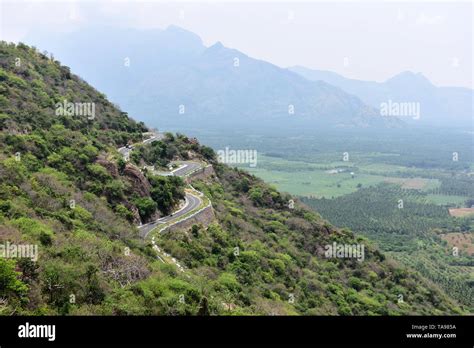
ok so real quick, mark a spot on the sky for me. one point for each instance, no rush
(367, 40)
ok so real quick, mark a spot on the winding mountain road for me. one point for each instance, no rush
(191, 201)
(125, 150)
(186, 168)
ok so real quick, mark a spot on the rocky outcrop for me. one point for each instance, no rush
(110, 166)
(133, 209)
(140, 184)
(153, 217)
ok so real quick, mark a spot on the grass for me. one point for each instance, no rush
(312, 179)
(316, 183)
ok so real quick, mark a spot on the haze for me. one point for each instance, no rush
(362, 40)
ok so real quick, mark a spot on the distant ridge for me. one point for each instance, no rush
(440, 106)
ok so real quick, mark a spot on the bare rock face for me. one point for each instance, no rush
(155, 216)
(139, 183)
(135, 213)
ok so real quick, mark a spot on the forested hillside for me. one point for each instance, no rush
(65, 188)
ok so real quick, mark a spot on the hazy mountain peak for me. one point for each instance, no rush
(179, 34)
(410, 77)
(217, 45)
(175, 28)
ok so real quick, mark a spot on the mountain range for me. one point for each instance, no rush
(169, 77)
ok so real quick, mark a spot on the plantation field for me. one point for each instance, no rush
(321, 179)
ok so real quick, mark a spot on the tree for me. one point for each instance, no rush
(94, 293)
(208, 153)
(203, 307)
(121, 165)
(10, 284)
(146, 206)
